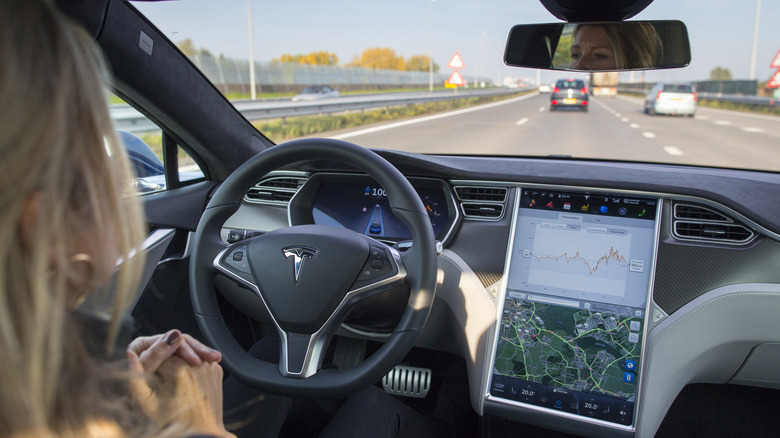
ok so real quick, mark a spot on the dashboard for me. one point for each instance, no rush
(581, 308)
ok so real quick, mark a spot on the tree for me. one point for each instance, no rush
(188, 48)
(379, 57)
(420, 63)
(562, 56)
(313, 58)
(720, 74)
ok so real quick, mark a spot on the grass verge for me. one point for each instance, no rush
(279, 130)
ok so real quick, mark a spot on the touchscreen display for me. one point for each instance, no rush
(570, 335)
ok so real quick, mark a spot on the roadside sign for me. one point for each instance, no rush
(456, 79)
(774, 82)
(775, 62)
(456, 61)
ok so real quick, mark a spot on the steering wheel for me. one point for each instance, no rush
(308, 276)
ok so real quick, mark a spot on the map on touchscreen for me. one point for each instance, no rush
(570, 335)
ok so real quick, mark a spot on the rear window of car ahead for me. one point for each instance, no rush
(677, 88)
(570, 84)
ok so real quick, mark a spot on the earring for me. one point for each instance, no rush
(81, 258)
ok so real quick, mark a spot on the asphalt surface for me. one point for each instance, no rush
(614, 128)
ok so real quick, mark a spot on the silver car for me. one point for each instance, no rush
(672, 98)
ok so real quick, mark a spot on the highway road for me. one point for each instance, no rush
(614, 128)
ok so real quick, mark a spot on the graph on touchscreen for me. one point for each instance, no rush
(582, 258)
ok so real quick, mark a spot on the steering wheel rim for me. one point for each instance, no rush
(416, 267)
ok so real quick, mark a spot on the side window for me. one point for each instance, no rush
(145, 145)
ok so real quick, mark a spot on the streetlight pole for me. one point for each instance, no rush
(755, 42)
(481, 59)
(252, 92)
(430, 46)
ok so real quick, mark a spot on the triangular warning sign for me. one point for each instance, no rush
(456, 79)
(456, 61)
(775, 62)
(774, 82)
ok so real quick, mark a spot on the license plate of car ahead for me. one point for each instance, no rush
(569, 101)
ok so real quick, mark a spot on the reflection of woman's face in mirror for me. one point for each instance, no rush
(591, 50)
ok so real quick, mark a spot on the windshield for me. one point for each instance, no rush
(467, 101)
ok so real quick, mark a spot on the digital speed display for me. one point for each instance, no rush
(364, 208)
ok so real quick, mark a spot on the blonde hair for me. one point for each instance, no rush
(58, 148)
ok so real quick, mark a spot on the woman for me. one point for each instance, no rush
(606, 46)
(67, 217)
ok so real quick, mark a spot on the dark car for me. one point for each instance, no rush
(316, 93)
(569, 93)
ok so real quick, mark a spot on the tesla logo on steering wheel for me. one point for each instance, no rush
(298, 254)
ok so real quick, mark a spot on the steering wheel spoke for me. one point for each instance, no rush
(301, 354)
(383, 269)
(233, 261)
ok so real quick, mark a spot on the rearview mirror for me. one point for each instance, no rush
(601, 46)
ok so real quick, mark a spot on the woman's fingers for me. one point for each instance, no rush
(204, 352)
(141, 393)
(159, 350)
(152, 351)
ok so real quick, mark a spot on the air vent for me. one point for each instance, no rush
(693, 222)
(493, 194)
(484, 211)
(276, 190)
(486, 203)
(692, 212)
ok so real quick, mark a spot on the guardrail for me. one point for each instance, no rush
(126, 118)
(751, 100)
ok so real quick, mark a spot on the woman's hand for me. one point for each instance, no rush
(190, 380)
(152, 351)
(192, 395)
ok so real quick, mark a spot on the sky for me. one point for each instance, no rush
(721, 31)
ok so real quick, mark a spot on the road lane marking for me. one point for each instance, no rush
(739, 114)
(648, 134)
(752, 129)
(700, 117)
(634, 125)
(722, 122)
(671, 150)
(603, 105)
(624, 119)
(429, 118)
(521, 121)
(541, 110)
(618, 114)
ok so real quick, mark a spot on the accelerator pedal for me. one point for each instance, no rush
(408, 381)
